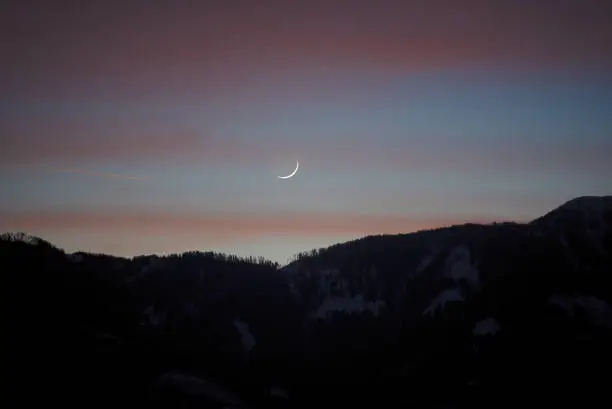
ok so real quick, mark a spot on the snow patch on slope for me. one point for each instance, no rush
(598, 312)
(564, 302)
(440, 301)
(426, 261)
(248, 340)
(293, 289)
(156, 317)
(278, 392)
(459, 266)
(193, 386)
(349, 305)
(488, 326)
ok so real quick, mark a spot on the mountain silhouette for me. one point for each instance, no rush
(465, 316)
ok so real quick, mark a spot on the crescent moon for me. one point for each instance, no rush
(297, 166)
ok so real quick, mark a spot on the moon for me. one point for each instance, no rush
(297, 166)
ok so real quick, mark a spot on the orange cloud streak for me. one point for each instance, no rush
(221, 226)
(70, 141)
(93, 173)
(75, 143)
(203, 45)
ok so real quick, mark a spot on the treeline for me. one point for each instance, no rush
(222, 257)
(210, 255)
(379, 242)
(25, 238)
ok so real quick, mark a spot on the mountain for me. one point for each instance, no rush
(454, 316)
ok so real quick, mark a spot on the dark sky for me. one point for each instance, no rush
(150, 126)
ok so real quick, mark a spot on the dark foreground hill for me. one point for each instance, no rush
(465, 316)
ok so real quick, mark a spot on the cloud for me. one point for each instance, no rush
(80, 141)
(204, 46)
(94, 173)
(462, 156)
(79, 144)
(222, 227)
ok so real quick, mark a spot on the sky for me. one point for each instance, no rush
(139, 127)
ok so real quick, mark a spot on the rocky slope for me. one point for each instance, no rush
(440, 317)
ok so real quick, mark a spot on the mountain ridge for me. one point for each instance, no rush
(585, 204)
(458, 310)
